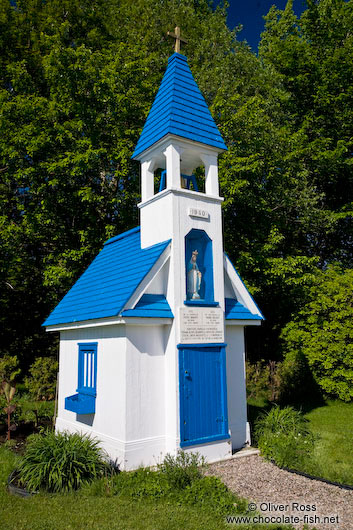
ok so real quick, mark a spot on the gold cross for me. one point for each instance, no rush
(177, 38)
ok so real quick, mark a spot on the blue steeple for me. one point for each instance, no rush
(180, 109)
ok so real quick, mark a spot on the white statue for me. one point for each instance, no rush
(193, 278)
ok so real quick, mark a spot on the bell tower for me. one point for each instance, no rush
(178, 150)
(179, 137)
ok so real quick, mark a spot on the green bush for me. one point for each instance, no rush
(39, 412)
(142, 483)
(262, 380)
(41, 383)
(211, 493)
(257, 380)
(283, 436)
(296, 383)
(322, 332)
(181, 470)
(9, 368)
(61, 462)
(207, 492)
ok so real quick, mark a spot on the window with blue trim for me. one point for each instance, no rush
(87, 368)
(84, 402)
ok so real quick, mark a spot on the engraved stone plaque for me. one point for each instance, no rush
(198, 212)
(200, 325)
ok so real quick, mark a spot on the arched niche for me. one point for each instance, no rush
(198, 259)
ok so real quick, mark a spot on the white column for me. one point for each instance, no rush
(147, 179)
(172, 154)
(211, 174)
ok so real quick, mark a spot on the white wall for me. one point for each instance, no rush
(166, 216)
(108, 423)
(237, 408)
(145, 394)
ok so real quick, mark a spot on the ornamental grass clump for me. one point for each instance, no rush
(61, 462)
(283, 437)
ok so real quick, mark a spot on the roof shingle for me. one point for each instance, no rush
(110, 280)
(179, 108)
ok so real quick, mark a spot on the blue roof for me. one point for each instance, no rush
(179, 108)
(236, 311)
(150, 305)
(110, 280)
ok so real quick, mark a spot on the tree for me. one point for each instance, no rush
(314, 58)
(288, 175)
(77, 79)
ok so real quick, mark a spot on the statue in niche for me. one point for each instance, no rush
(194, 277)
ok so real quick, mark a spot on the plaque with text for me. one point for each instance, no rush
(200, 325)
(198, 212)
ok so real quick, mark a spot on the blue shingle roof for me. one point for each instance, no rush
(179, 108)
(150, 305)
(110, 280)
(236, 311)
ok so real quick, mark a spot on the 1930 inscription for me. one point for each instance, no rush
(201, 325)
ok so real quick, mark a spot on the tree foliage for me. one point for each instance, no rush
(41, 382)
(323, 332)
(287, 177)
(77, 80)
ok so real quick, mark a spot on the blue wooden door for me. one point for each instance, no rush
(203, 394)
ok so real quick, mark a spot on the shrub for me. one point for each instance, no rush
(9, 371)
(42, 380)
(296, 382)
(323, 330)
(61, 462)
(9, 368)
(206, 492)
(141, 483)
(181, 470)
(210, 492)
(257, 380)
(283, 436)
(262, 380)
(36, 411)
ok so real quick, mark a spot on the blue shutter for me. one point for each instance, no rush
(87, 368)
(84, 402)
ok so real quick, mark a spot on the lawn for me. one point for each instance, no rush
(332, 423)
(78, 511)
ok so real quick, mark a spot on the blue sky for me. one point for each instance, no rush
(249, 13)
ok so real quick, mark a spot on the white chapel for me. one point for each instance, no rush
(152, 356)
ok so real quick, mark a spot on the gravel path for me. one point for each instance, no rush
(270, 487)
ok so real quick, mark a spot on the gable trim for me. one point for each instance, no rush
(241, 291)
(147, 280)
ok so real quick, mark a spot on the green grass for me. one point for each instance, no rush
(77, 511)
(332, 423)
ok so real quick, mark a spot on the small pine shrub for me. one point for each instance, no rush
(61, 462)
(181, 470)
(283, 436)
(210, 493)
